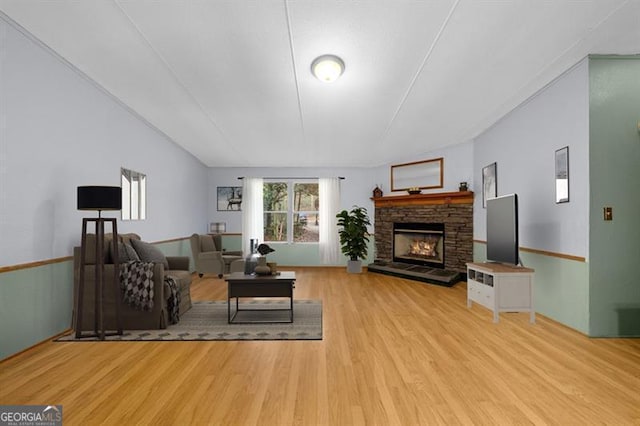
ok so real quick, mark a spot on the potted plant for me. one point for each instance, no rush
(354, 236)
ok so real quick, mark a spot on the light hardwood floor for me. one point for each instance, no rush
(394, 352)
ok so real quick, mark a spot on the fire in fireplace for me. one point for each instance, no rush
(419, 243)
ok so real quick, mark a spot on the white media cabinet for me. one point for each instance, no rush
(501, 288)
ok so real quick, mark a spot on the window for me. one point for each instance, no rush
(134, 195)
(276, 204)
(291, 212)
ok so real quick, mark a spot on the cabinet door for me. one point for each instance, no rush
(514, 292)
(480, 293)
(486, 296)
(473, 290)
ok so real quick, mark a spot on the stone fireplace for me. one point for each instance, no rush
(405, 244)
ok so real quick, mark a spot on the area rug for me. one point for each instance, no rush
(207, 320)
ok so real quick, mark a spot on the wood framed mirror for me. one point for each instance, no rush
(425, 174)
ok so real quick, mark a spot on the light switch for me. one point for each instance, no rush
(608, 213)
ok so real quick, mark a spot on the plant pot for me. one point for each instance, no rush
(354, 266)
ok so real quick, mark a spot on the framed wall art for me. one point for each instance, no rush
(489, 183)
(562, 175)
(229, 198)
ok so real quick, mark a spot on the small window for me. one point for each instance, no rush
(134, 195)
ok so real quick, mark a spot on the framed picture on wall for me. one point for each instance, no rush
(489, 183)
(562, 175)
(229, 198)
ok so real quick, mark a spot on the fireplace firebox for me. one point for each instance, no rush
(419, 244)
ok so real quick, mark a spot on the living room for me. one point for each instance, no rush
(61, 130)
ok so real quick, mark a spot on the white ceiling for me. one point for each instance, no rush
(230, 80)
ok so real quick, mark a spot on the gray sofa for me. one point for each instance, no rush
(132, 318)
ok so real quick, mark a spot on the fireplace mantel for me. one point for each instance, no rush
(438, 198)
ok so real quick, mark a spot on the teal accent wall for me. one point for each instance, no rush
(232, 242)
(178, 248)
(614, 249)
(561, 286)
(35, 304)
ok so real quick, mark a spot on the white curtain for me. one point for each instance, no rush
(252, 212)
(329, 192)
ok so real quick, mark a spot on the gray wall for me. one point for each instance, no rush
(593, 109)
(615, 176)
(458, 167)
(523, 144)
(58, 130)
(62, 131)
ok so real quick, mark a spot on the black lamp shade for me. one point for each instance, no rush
(99, 198)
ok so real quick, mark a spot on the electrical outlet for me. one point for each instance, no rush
(608, 213)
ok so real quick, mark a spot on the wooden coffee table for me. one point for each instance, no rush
(241, 285)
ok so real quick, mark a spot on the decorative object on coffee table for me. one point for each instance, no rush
(98, 198)
(262, 268)
(252, 258)
(264, 249)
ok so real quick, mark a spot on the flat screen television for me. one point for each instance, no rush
(502, 229)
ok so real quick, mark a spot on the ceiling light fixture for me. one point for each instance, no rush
(327, 68)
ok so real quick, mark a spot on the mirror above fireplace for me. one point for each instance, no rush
(425, 174)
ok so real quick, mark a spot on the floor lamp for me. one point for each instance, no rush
(99, 198)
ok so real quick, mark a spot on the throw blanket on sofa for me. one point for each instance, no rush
(173, 300)
(136, 279)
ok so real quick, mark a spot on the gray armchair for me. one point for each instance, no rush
(210, 258)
